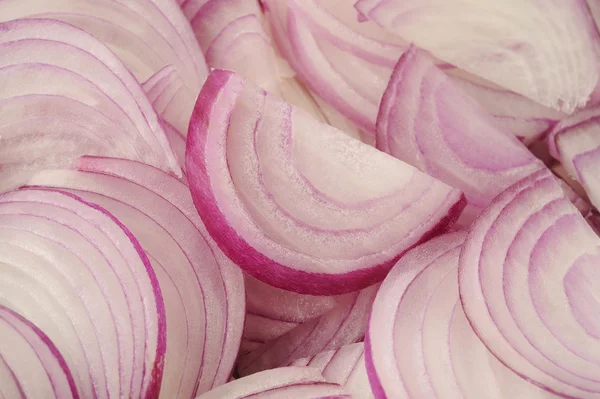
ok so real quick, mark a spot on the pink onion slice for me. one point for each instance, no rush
(528, 277)
(65, 94)
(72, 269)
(30, 364)
(298, 204)
(271, 312)
(425, 119)
(419, 342)
(343, 325)
(146, 35)
(506, 42)
(203, 290)
(575, 142)
(284, 382)
(346, 63)
(344, 366)
(171, 99)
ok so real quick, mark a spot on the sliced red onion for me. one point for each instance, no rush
(547, 51)
(425, 119)
(30, 364)
(345, 62)
(65, 94)
(419, 343)
(271, 312)
(171, 99)
(284, 382)
(575, 142)
(203, 290)
(528, 280)
(298, 204)
(343, 325)
(344, 366)
(72, 269)
(146, 35)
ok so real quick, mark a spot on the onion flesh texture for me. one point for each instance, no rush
(146, 35)
(428, 349)
(79, 275)
(30, 363)
(344, 366)
(298, 204)
(65, 94)
(575, 142)
(426, 120)
(528, 280)
(284, 382)
(546, 51)
(343, 325)
(272, 312)
(202, 289)
(344, 62)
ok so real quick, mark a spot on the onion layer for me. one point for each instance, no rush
(506, 42)
(298, 204)
(528, 282)
(425, 119)
(203, 290)
(419, 343)
(79, 275)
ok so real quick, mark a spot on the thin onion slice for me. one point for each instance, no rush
(528, 281)
(30, 364)
(284, 382)
(575, 142)
(345, 366)
(65, 94)
(426, 120)
(72, 269)
(346, 63)
(146, 35)
(298, 204)
(420, 344)
(203, 290)
(343, 325)
(547, 51)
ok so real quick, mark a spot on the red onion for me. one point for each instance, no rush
(291, 216)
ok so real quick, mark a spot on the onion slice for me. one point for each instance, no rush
(426, 120)
(547, 51)
(420, 343)
(203, 290)
(284, 382)
(30, 363)
(575, 142)
(345, 366)
(65, 94)
(298, 204)
(343, 325)
(79, 275)
(528, 281)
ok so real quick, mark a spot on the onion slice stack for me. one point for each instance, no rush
(575, 142)
(425, 119)
(202, 289)
(30, 363)
(343, 325)
(505, 42)
(419, 342)
(75, 272)
(284, 382)
(64, 94)
(529, 280)
(298, 204)
(345, 366)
